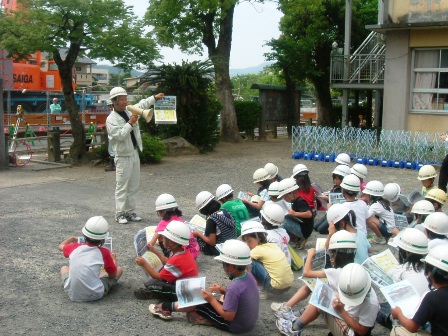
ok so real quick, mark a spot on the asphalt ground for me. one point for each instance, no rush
(43, 204)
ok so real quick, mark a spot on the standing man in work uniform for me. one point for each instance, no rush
(124, 136)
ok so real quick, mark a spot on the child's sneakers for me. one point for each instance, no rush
(264, 295)
(132, 217)
(121, 219)
(281, 310)
(157, 310)
(286, 328)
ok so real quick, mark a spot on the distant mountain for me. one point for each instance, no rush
(233, 72)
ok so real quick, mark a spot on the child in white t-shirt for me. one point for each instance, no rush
(272, 217)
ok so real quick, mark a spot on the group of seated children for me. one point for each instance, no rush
(258, 263)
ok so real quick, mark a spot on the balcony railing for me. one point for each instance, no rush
(362, 69)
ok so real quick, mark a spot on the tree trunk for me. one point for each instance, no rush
(220, 56)
(324, 105)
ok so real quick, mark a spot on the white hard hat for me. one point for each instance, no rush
(251, 226)
(437, 195)
(414, 241)
(234, 252)
(274, 214)
(260, 175)
(272, 169)
(426, 172)
(354, 284)
(438, 257)
(299, 169)
(203, 198)
(391, 192)
(343, 159)
(436, 222)
(286, 186)
(351, 182)
(273, 188)
(117, 91)
(374, 188)
(336, 212)
(96, 228)
(423, 207)
(177, 232)
(342, 170)
(165, 201)
(359, 170)
(223, 190)
(342, 239)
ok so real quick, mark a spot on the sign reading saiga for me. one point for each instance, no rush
(165, 110)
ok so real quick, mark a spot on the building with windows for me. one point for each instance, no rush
(416, 64)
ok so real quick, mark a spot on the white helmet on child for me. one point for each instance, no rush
(437, 195)
(342, 170)
(438, 257)
(234, 252)
(260, 175)
(203, 198)
(343, 159)
(359, 170)
(423, 207)
(177, 232)
(436, 222)
(426, 172)
(272, 169)
(374, 188)
(273, 189)
(414, 241)
(223, 190)
(351, 182)
(342, 239)
(391, 192)
(251, 227)
(299, 169)
(286, 186)
(274, 214)
(354, 284)
(165, 201)
(96, 228)
(336, 212)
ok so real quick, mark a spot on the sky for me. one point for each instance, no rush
(254, 25)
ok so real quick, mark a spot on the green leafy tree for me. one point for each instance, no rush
(192, 24)
(309, 27)
(197, 107)
(104, 29)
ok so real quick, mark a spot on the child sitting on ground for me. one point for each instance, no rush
(300, 174)
(273, 194)
(167, 209)
(427, 175)
(436, 229)
(180, 264)
(269, 264)
(238, 313)
(262, 178)
(220, 225)
(272, 169)
(85, 279)
(437, 197)
(236, 207)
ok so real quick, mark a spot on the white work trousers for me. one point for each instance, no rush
(127, 182)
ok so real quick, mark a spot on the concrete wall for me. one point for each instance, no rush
(416, 11)
(427, 123)
(396, 84)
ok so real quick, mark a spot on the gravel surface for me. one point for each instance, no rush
(41, 206)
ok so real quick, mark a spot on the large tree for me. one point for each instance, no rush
(190, 24)
(309, 27)
(105, 29)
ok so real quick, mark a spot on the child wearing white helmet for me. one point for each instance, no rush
(269, 264)
(420, 210)
(272, 218)
(360, 171)
(433, 307)
(343, 159)
(383, 222)
(272, 169)
(356, 303)
(412, 247)
(437, 197)
(342, 248)
(238, 313)
(220, 225)
(274, 199)
(299, 221)
(84, 279)
(427, 175)
(168, 210)
(300, 174)
(436, 229)
(179, 265)
(262, 178)
(236, 207)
